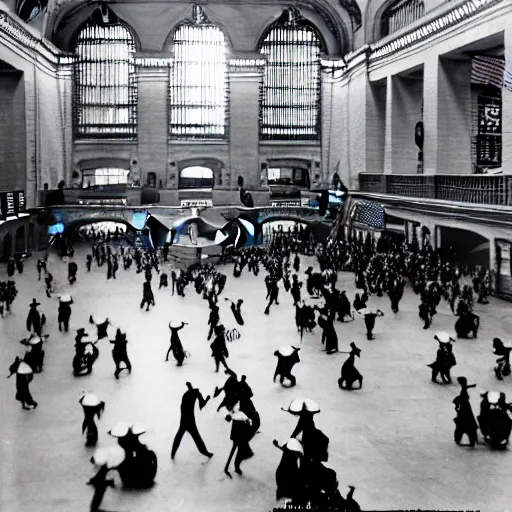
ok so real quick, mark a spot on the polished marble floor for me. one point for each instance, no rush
(393, 439)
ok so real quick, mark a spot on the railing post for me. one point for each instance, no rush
(434, 186)
(384, 184)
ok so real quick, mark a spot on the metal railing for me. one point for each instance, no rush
(467, 188)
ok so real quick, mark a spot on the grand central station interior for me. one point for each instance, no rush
(347, 161)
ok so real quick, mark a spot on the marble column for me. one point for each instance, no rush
(245, 78)
(152, 126)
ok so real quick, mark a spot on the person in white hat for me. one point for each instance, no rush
(241, 433)
(64, 312)
(24, 376)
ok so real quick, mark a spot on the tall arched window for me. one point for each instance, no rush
(290, 100)
(198, 85)
(105, 100)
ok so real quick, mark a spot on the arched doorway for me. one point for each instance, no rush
(31, 237)
(19, 245)
(196, 177)
(467, 247)
(6, 247)
(91, 229)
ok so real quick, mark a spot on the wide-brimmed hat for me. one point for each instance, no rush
(34, 303)
(89, 400)
(443, 337)
(464, 383)
(24, 369)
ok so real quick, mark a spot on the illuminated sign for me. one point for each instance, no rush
(120, 201)
(286, 204)
(11, 203)
(191, 203)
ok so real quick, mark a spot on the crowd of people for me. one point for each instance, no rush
(380, 266)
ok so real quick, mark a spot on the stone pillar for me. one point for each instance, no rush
(65, 82)
(493, 263)
(388, 129)
(245, 78)
(375, 127)
(152, 126)
(328, 137)
(454, 108)
(407, 96)
(506, 119)
(430, 113)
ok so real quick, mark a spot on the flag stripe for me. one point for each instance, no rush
(488, 70)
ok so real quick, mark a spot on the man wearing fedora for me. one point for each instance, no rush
(465, 422)
(35, 320)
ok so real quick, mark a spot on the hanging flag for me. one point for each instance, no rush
(371, 214)
(487, 70)
(507, 76)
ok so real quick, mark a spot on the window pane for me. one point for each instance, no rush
(105, 85)
(104, 176)
(198, 92)
(290, 104)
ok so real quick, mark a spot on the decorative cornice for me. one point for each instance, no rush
(332, 63)
(250, 65)
(432, 24)
(15, 31)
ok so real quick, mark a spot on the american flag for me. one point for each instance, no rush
(488, 70)
(370, 213)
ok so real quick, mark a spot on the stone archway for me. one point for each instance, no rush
(196, 177)
(6, 247)
(468, 247)
(220, 176)
(19, 243)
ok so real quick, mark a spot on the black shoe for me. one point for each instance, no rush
(208, 454)
(238, 471)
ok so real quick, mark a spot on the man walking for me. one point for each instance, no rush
(188, 420)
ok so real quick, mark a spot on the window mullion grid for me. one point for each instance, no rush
(106, 99)
(199, 83)
(291, 86)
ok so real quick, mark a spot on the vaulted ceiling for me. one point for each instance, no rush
(342, 18)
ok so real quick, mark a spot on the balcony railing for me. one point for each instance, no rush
(476, 189)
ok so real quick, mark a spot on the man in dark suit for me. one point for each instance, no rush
(188, 420)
